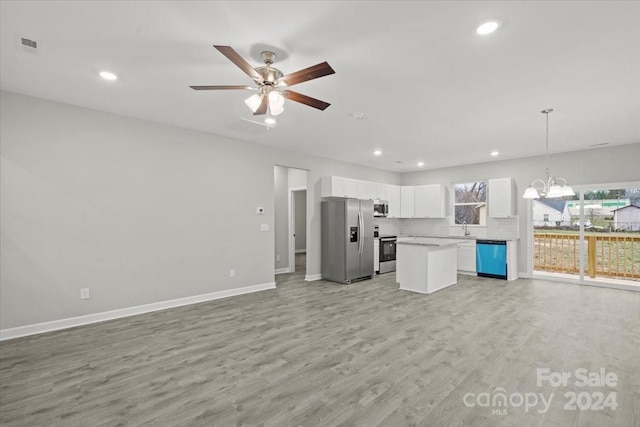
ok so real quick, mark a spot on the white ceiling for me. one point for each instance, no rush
(429, 87)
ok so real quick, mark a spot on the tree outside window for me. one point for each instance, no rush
(470, 203)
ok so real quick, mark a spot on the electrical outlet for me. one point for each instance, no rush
(232, 273)
(264, 227)
(84, 293)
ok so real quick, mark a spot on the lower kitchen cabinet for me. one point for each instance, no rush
(467, 257)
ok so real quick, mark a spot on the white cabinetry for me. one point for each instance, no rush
(467, 257)
(407, 205)
(366, 190)
(430, 201)
(381, 191)
(502, 198)
(335, 186)
(512, 260)
(393, 197)
(376, 256)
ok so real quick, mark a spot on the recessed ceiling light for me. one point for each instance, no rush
(495, 153)
(358, 116)
(487, 28)
(377, 152)
(108, 75)
(420, 164)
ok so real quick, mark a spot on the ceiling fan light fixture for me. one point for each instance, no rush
(276, 98)
(254, 101)
(268, 79)
(277, 110)
(271, 121)
(276, 102)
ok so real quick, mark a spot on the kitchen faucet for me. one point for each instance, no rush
(466, 230)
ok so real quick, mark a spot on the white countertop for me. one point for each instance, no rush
(471, 237)
(427, 241)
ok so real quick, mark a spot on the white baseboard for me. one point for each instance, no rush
(301, 251)
(312, 277)
(39, 328)
(282, 270)
(576, 281)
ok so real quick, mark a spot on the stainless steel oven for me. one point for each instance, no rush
(387, 254)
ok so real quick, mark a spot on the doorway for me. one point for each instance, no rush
(298, 233)
(290, 219)
(593, 238)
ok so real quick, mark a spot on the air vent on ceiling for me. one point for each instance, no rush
(29, 43)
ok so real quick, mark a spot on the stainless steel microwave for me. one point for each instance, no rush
(380, 208)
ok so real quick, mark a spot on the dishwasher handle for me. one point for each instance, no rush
(491, 242)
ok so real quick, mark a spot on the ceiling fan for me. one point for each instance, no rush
(272, 84)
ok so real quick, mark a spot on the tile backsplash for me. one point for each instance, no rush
(496, 228)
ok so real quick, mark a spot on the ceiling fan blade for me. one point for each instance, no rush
(262, 109)
(234, 57)
(304, 99)
(221, 87)
(319, 70)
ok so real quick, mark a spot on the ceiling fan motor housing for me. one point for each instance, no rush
(269, 74)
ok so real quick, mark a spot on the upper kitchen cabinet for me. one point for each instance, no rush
(381, 192)
(367, 190)
(393, 197)
(335, 186)
(407, 203)
(430, 201)
(502, 198)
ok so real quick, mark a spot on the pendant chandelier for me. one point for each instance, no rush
(553, 187)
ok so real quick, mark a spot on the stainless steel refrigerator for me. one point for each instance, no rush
(347, 240)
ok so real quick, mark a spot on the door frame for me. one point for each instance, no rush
(292, 238)
(580, 279)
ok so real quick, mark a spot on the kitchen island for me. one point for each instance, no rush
(426, 265)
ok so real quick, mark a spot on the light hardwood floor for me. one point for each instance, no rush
(325, 354)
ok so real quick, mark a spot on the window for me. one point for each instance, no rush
(470, 203)
(545, 217)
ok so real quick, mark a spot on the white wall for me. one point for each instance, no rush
(297, 178)
(136, 211)
(616, 164)
(300, 219)
(281, 217)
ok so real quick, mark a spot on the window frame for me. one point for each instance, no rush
(454, 203)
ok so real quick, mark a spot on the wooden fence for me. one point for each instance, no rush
(608, 255)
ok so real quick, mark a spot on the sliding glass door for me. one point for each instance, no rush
(594, 237)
